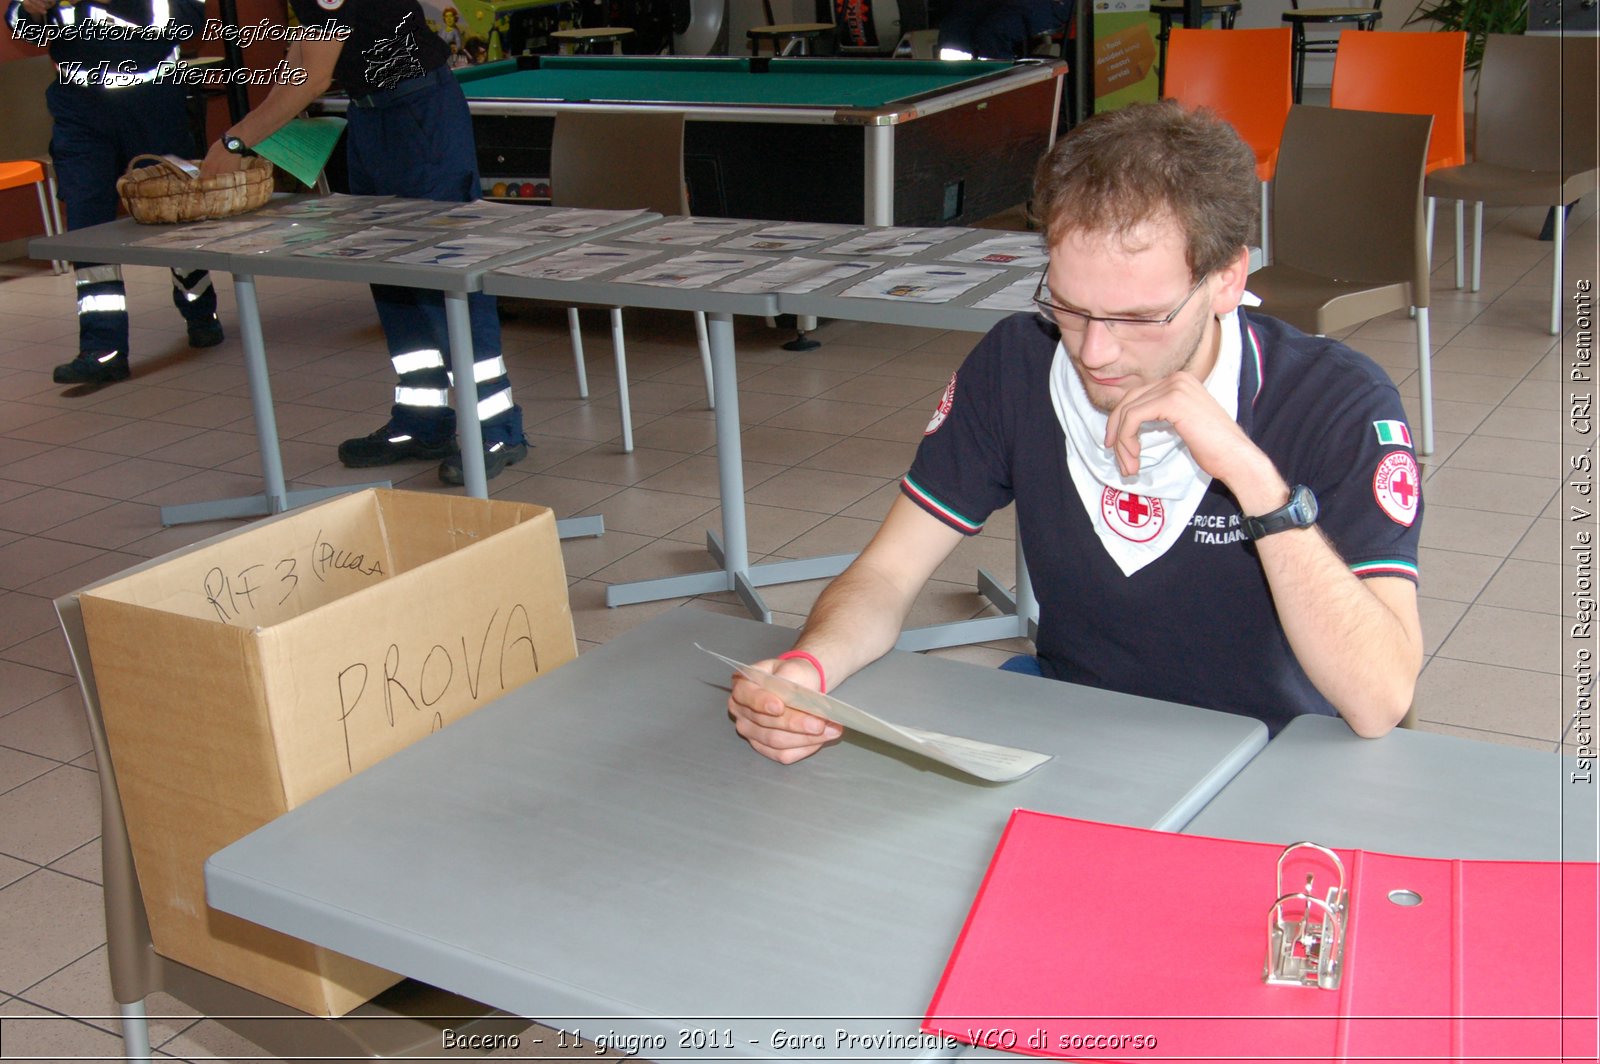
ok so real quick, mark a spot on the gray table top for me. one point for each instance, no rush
(600, 845)
(121, 241)
(1410, 793)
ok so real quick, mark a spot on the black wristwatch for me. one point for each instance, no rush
(1299, 512)
(235, 145)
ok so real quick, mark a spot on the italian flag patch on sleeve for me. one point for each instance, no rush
(1393, 432)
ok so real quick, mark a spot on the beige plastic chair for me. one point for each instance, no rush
(585, 172)
(1347, 231)
(25, 134)
(407, 1020)
(1535, 139)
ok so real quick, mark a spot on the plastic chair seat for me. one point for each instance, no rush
(1506, 186)
(19, 173)
(1316, 304)
(789, 38)
(570, 41)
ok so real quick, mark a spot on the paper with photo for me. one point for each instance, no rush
(558, 222)
(280, 236)
(687, 232)
(392, 212)
(366, 244)
(579, 263)
(199, 234)
(1018, 295)
(472, 215)
(696, 270)
(987, 761)
(314, 206)
(790, 236)
(462, 251)
(1009, 249)
(925, 283)
(797, 275)
(897, 241)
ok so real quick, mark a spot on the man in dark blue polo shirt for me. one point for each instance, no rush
(1216, 509)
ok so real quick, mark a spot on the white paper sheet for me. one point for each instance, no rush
(366, 244)
(283, 236)
(391, 212)
(1018, 295)
(695, 270)
(561, 222)
(797, 275)
(1009, 249)
(998, 764)
(922, 283)
(898, 242)
(790, 236)
(315, 206)
(199, 234)
(474, 215)
(465, 250)
(687, 232)
(580, 262)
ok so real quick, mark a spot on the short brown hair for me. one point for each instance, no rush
(1147, 161)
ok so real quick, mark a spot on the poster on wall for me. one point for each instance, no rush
(1124, 53)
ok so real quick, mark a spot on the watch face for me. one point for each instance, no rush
(1303, 507)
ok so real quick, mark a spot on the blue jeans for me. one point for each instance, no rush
(417, 142)
(96, 132)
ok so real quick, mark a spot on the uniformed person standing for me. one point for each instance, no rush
(409, 134)
(115, 96)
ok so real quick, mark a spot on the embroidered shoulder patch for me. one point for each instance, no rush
(1397, 485)
(946, 401)
(1393, 433)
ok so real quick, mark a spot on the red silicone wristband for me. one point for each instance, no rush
(822, 678)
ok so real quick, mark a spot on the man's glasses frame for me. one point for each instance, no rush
(1077, 321)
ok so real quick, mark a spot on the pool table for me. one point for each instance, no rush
(889, 141)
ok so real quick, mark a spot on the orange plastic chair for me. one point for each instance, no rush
(1244, 76)
(1417, 74)
(27, 172)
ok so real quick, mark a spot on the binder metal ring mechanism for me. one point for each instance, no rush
(1308, 951)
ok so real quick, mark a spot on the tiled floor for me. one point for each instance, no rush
(82, 474)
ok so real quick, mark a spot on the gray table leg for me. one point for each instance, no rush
(1018, 615)
(731, 551)
(276, 498)
(469, 430)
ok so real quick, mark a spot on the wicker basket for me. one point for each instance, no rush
(163, 193)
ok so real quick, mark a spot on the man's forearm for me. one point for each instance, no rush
(1358, 640)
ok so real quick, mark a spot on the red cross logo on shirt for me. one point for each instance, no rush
(1139, 518)
(1397, 487)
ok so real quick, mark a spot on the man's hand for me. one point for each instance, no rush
(219, 160)
(38, 8)
(1214, 439)
(772, 728)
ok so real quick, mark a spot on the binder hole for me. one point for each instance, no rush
(1405, 897)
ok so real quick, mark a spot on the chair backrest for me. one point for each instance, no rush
(615, 161)
(25, 134)
(1348, 197)
(1242, 75)
(1407, 73)
(1536, 102)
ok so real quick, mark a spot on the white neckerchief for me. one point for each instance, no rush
(1139, 518)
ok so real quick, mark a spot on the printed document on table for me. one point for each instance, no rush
(687, 232)
(578, 263)
(560, 222)
(367, 244)
(790, 236)
(1011, 249)
(472, 215)
(199, 234)
(284, 236)
(462, 251)
(998, 764)
(797, 275)
(930, 283)
(392, 212)
(899, 242)
(315, 206)
(694, 270)
(1018, 295)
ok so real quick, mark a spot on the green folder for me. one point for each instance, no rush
(302, 146)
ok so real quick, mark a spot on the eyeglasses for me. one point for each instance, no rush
(1077, 322)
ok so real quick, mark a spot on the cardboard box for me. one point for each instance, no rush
(243, 676)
